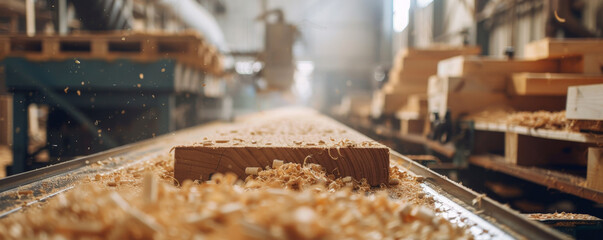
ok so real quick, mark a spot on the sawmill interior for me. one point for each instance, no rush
(301, 119)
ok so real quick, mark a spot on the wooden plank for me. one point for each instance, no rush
(541, 133)
(416, 107)
(443, 84)
(588, 63)
(473, 65)
(553, 84)
(594, 171)
(413, 126)
(384, 103)
(533, 151)
(585, 102)
(560, 48)
(551, 179)
(441, 52)
(293, 135)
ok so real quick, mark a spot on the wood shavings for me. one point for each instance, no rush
(277, 163)
(287, 201)
(149, 190)
(540, 119)
(478, 200)
(331, 156)
(561, 216)
(222, 140)
(559, 19)
(252, 170)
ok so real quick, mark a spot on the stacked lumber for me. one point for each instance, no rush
(188, 48)
(537, 82)
(409, 75)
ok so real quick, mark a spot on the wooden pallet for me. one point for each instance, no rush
(525, 146)
(188, 48)
(292, 135)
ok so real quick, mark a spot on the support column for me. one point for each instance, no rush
(20, 130)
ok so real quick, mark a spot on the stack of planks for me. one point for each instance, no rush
(409, 75)
(290, 135)
(538, 82)
(188, 48)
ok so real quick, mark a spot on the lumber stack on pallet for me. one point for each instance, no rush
(466, 85)
(409, 75)
(294, 135)
(537, 82)
(188, 48)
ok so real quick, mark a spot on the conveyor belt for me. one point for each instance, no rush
(487, 220)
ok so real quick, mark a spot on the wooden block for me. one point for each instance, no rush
(440, 52)
(594, 170)
(473, 83)
(292, 135)
(388, 103)
(533, 151)
(548, 48)
(585, 102)
(473, 65)
(413, 126)
(555, 84)
(416, 107)
(588, 64)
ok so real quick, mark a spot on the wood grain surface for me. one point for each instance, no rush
(292, 135)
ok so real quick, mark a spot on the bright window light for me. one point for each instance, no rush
(401, 14)
(423, 3)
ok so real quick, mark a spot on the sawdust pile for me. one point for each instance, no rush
(540, 119)
(291, 201)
